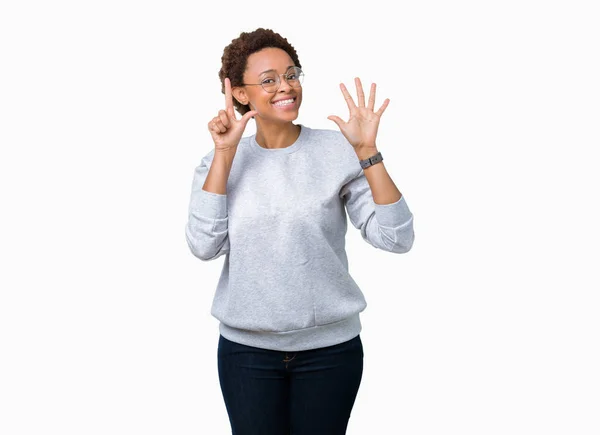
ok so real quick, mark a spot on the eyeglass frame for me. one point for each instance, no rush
(279, 85)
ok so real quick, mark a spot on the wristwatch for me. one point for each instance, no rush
(371, 160)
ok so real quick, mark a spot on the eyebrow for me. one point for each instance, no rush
(269, 70)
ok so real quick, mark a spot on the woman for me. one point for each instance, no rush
(290, 358)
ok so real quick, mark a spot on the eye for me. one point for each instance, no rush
(266, 80)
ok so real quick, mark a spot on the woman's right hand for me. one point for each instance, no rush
(226, 130)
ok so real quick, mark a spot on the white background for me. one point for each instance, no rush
(489, 325)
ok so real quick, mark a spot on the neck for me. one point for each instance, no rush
(270, 135)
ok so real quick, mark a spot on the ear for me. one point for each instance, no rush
(240, 95)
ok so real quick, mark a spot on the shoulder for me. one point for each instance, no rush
(330, 137)
(333, 143)
(325, 134)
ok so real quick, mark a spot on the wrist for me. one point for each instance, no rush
(224, 156)
(365, 152)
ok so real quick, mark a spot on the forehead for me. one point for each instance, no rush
(268, 58)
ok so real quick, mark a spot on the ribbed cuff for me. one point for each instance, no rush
(393, 215)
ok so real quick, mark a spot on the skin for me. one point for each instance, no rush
(361, 128)
(274, 127)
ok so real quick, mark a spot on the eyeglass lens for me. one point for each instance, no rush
(293, 76)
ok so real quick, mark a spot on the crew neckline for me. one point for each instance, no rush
(300, 140)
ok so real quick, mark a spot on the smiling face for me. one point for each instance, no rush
(257, 70)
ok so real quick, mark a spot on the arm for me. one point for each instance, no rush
(383, 188)
(387, 225)
(207, 228)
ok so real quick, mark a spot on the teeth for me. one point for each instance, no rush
(284, 102)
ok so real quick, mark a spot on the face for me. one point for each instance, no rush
(262, 101)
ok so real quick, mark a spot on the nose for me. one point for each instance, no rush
(284, 86)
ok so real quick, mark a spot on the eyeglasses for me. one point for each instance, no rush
(294, 76)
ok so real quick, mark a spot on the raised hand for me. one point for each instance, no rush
(361, 128)
(226, 130)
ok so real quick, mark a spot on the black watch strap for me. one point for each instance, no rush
(371, 160)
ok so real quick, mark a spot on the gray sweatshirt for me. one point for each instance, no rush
(285, 283)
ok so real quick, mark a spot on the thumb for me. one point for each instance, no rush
(248, 115)
(337, 120)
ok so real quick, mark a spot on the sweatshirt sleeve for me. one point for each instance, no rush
(206, 230)
(384, 226)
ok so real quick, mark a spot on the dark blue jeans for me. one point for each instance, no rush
(269, 392)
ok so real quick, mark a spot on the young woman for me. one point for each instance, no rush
(290, 357)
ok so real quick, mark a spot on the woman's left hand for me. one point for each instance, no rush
(361, 128)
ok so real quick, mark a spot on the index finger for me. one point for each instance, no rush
(228, 98)
(348, 98)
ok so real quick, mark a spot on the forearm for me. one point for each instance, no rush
(218, 174)
(383, 189)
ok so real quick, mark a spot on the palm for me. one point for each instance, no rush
(361, 127)
(225, 129)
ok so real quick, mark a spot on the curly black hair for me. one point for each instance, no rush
(235, 57)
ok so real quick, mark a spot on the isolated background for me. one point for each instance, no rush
(489, 325)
